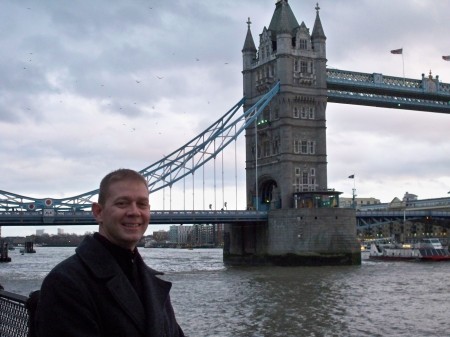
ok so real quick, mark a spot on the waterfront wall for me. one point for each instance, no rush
(307, 236)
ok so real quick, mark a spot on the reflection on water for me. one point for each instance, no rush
(374, 299)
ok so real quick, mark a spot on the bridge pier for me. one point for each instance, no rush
(295, 237)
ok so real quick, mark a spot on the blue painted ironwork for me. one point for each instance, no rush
(165, 172)
(378, 90)
(201, 149)
(64, 218)
(51, 217)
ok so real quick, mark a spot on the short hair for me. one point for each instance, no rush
(115, 176)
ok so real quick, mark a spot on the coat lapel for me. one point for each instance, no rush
(127, 298)
(156, 294)
(103, 266)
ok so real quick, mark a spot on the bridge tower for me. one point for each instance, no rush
(288, 153)
(286, 158)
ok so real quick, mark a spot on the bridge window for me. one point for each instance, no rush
(303, 112)
(311, 147)
(276, 146)
(304, 178)
(303, 181)
(296, 146)
(307, 112)
(303, 67)
(311, 112)
(304, 146)
(296, 112)
(303, 44)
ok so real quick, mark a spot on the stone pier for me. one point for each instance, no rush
(295, 237)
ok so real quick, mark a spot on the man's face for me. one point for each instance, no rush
(124, 217)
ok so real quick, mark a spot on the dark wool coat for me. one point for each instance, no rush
(88, 295)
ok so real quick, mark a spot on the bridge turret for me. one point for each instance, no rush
(282, 29)
(318, 40)
(248, 58)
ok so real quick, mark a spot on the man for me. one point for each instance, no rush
(106, 289)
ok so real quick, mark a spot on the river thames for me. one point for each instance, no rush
(374, 299)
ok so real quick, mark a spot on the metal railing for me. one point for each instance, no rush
(16, 312)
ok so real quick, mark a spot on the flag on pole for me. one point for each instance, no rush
(397, 51)
(446, 58)
(352, 176)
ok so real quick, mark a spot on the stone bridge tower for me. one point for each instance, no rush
(288, 154)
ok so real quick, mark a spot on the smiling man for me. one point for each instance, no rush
(106, 289)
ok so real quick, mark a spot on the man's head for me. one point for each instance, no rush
(123, 210)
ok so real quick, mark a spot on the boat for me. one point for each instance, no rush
(427, 249)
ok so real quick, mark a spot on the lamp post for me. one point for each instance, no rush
(353, 190)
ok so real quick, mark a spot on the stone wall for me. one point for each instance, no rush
(318, 236)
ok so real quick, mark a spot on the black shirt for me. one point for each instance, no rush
(126, 260)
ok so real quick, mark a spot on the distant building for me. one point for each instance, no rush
(161, 236)
(359, 202)
(183, 234)
(173, 234)
(408, 197)
(60, 231)
(40, 232)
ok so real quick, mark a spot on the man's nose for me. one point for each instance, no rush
(133, 209)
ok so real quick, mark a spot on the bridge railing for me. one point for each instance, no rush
(24, 218)
(370, 79)
(374, 89)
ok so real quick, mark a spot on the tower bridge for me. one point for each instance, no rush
(286, 86)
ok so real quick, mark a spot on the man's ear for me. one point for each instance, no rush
(97, 212)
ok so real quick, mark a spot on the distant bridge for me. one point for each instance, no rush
(62, 218)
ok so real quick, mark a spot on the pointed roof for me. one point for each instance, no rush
(249, 44)
(318, 29)
(283, 19)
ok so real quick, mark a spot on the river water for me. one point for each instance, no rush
(374, 299)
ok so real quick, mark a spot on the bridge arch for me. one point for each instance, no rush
(269, 194)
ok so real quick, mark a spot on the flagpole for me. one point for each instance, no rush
(403, 62)
(354, 193)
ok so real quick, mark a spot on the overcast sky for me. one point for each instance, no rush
(90, 86)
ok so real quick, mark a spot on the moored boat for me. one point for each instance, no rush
(428, 249)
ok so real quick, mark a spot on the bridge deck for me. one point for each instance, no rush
(27, 218)
(426, 94)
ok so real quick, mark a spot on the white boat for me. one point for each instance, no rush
(428, 249)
